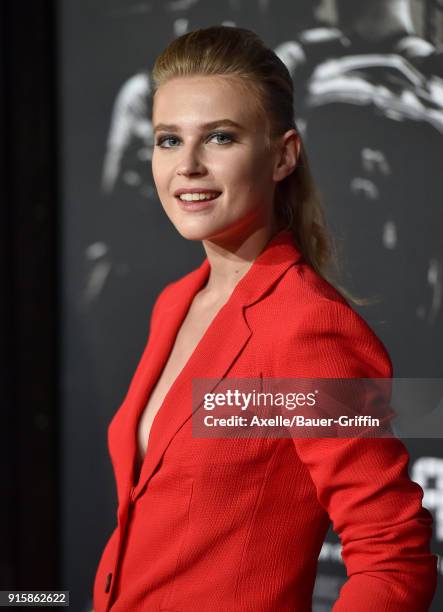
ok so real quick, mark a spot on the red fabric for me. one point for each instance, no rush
(237, 525)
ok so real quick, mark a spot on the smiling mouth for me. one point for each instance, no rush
(192, 198)
(200, 204)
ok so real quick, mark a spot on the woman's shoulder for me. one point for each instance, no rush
(320, 326)
(315, 297)
(306, 286)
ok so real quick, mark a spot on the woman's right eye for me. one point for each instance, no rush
(162, 142)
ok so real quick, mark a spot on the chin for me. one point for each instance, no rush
(202, 227)
(192, 235)
(195, 231)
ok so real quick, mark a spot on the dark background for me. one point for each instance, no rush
(86, 246)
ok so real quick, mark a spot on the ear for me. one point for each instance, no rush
(287, 154)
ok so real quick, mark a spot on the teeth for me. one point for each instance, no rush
(194, 197)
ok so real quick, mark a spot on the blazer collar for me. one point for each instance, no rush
(213, 357)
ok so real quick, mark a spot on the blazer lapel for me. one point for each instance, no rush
(213, 357)
(122, 431)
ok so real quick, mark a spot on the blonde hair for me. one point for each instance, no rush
(240, 53)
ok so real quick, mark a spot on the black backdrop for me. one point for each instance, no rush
(369, 100)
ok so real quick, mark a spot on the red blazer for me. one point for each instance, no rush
(219, 525)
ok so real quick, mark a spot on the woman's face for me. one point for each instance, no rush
(210, 138)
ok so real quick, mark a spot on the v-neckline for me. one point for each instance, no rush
(137, 464)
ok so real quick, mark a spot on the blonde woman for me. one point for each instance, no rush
(216, 524)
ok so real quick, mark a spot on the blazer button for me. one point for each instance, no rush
(108, 583)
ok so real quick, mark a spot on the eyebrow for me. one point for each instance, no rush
(165, 127)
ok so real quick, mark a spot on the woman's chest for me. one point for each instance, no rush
(188, 337)
(174, 365)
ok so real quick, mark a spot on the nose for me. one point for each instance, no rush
(190, 163)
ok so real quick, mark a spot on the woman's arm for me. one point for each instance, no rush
(376, 510)
(363, 483)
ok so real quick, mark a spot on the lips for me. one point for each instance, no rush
(195, 193)
(188, 200)
(196, 200)
(195, 205)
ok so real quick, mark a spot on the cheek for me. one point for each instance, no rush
(161, 184)
(159, 174)
(155, 166)
(252, 174)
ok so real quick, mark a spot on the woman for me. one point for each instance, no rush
(237, 525)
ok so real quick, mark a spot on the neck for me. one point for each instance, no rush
(230, 259)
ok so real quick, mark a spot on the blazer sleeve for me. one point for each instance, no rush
(362, 483)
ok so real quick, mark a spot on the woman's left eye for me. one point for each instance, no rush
(222, 137)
